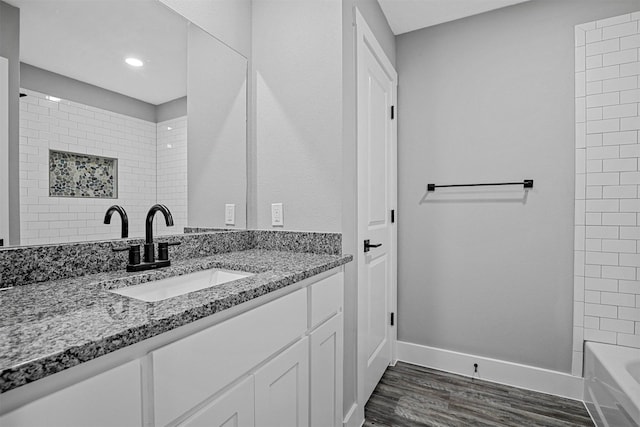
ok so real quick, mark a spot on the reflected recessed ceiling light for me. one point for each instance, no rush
(53, 98)
(169, 128)
(134, 62)
(169, 146)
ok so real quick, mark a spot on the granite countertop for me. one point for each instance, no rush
(51, 326)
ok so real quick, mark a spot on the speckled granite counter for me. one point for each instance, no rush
(51, 326)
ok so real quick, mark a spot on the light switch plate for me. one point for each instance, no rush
(277, 215)
(230, 214)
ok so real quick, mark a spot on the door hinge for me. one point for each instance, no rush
(393, 112)
(392, 318)
(393, 216)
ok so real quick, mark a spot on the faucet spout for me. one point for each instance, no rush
(124, 232)
(149, 255)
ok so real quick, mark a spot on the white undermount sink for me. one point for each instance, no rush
(180, 285)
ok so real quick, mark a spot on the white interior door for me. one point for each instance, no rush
(376, 85)
(4, 150)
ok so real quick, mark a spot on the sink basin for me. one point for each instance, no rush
(180, 285)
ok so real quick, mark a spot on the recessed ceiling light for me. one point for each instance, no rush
(169, 128)
(134, 62)
(169, 146)
(53, 98)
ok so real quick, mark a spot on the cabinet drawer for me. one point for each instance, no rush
(188, 371)
(112, 398)
(326, 298)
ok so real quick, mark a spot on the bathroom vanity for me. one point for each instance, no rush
(262, 350)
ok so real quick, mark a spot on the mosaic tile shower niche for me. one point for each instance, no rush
(148, 171)
(82, 175)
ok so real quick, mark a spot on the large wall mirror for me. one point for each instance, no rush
(126, 103)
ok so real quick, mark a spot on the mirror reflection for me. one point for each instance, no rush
(107, 118)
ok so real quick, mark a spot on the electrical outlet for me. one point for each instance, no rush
(277, 215)
(230, 214)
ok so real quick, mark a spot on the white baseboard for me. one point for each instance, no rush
(499, 371)
(351, 419)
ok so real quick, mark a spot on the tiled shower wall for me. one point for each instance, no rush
(171, 158)
(607, 232)
(78, 128)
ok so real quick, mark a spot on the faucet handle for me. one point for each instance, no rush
(163, 249)
(134, 253)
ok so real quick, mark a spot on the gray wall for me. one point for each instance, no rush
(230, 22)
(216, 129)
(491, 98)
(372, 13)
(171, 109)
(54, 84)
(297, 78)
(10, 49)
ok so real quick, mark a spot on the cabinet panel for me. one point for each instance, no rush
(326, 298)
(188, 371)
(282, 389)
(326, 374)
(113, 398)
(234, 408)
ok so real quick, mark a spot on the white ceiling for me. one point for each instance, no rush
(88, 40)
(409, 15)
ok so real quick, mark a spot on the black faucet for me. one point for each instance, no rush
(149, 260)
(149, 252)
(124, 233)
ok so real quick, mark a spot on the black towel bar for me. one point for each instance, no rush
(527, 183)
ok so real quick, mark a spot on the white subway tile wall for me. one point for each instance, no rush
(172, 173)
(607, 267)
(74, 127)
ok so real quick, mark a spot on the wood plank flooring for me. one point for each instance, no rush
(411, 396)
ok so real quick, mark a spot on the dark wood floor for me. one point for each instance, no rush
(410, 395)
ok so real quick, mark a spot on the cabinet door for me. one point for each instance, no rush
(112, 398)
(326, 374)
(234, 408)
(282, 389)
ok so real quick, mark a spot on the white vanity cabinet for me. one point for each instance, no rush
(112, 398)
(275, 361)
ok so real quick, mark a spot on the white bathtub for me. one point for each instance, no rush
(612, 384)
